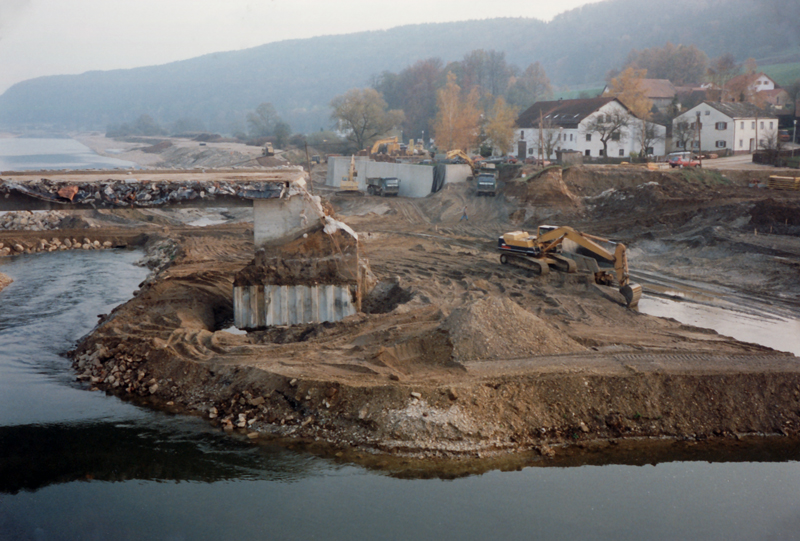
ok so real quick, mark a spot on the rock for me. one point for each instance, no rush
(153, 388)
(451, 394)
(68, 192)
(546, 451)
(19, 248)
(253, 435)
(416, 395)
(107, 244)
(257, 401)
(68, 243)
(212, 413)
(86, 246)
(583, 427)
(293, 382)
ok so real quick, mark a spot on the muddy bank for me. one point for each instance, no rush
(4, 281)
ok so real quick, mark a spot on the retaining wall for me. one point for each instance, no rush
(415, 180)
(261, 306)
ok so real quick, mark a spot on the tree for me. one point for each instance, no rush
(363, 114)
(547, 138)
(261, 123)
(649, 137)
(501, 124)
(721, 70)
(487, 71)
(282, 132)
(682, 133)
(680, 64)
(627, 88)
(608, 126)
(532, 86)
(413, 91)
(457, 122)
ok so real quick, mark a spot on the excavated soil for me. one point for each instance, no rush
(456, 355)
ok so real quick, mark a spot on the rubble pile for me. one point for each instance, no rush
(32, 221)
(114, 369)
(52, 245)
(133, 192)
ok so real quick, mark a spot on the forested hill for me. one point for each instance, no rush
(301, 76)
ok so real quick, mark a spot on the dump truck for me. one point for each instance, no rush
(383, 186)
(607, 261)
(486, 180)
(268, 150)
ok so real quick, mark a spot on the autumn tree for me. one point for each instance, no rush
(719, 73)
(680, 64)
(627, 88)
(531, 86)
(487, 71)
(500, 125)
(413, 91)
(608, 126)
(457, 123)
(261, 122)
(363, 114)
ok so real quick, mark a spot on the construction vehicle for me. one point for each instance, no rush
(606, 260)
(268, 150)
(460, 154)
(486, 180)
(383, 186)
(350, 181)
(385, 146)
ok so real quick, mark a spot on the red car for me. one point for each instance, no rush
(683, 159)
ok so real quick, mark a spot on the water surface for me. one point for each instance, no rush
(27, 154)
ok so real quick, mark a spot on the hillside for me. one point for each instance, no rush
(301, 76)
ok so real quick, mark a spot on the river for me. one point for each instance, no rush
(27, 154)
(76, 464)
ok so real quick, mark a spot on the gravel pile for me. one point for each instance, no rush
(31, 221)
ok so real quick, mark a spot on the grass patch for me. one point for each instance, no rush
(704, 177)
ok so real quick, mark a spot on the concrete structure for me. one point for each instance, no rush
(277, 220)
(567, 125)
(732, 127)
(415, 180)
(260, 306)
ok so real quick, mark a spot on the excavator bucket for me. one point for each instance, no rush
(632, 293)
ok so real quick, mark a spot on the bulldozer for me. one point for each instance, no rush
(606, 260)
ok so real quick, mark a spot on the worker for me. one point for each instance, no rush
(464, 214)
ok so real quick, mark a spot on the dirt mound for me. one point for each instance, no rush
(771, 212)
(158, 148)
(549, 189)
(497, 327)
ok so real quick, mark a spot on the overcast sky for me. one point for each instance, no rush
(49, 37)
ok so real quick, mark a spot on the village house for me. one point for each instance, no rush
(724, 127)
(568, 126)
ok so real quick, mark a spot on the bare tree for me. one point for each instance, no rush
(547, 138)
(608, 126)
(682, 133)
(649, 135)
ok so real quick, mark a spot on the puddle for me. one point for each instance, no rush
(754, 326)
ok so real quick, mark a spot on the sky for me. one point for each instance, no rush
(53, 37)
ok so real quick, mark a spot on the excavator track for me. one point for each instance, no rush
(530, 263)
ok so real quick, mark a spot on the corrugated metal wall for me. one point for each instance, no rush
(262, 306)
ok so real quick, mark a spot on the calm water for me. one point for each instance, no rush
(76, 464)
(25, 154)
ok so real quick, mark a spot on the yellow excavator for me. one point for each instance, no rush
(458, 153)
(584, 253)
(349, 182)
(392, 147)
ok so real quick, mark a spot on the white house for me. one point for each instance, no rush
(735, 127)
(569, 125)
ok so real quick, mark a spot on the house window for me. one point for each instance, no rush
(708, 113)
(680, 144)
(570, 137)
(721, 144)
(695, 144)
(588, 152)
(602, 153)
(753, 125)
(741, 143)
(721, 125)
(742, 125)
(588, 137)
(615, 136)
(761, 124)
(770, 124)
(650, 151)
(530, 150)
(621, 152)
(522, 134)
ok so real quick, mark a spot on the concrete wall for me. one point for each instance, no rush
(257, 307)
(415, 180)
(276, 221)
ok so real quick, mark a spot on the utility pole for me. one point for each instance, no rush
(794, 137)
(541, 141)
(699, 143)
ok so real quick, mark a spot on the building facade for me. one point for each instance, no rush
(724, 127)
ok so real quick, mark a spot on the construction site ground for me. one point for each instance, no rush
(456, 355)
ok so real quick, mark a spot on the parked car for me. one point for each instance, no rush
(783, 136)
(682, 159)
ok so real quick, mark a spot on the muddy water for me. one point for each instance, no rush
(25, 154)
(76, 464)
